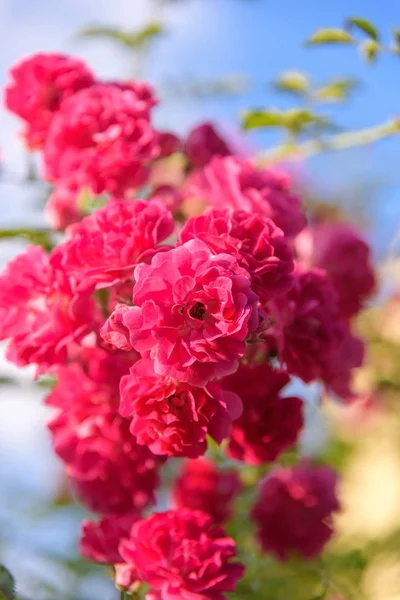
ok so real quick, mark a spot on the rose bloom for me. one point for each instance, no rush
(294, 510)
(109, 471)
(313, 340)
(174, 418)
(339, 249)
(104, 248)
(168, 143)
(62, 208)
(100, 543)
(38, 86)
(171, 196)
(235, 183)
(183, 555)
(203, 486)
(256, 243)
(202, 144)
(39, 313)
(102, 139)
(193, 312)
(270, 422)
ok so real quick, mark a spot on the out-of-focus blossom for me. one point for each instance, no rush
(234, 183)
(109, 470)
(270, 422)
(39, 312)
(203, 143)
(39, 84)
(203, 486)
(340, 250)
(294, 510)
(102, 139)
(312, 339)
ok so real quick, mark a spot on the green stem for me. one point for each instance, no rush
(340, 141)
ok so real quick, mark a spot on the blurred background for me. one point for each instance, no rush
(214, 60)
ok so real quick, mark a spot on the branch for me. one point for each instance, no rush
(340, 141)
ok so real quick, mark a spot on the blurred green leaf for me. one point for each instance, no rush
(7, 381)
(294, 82)
(331, 36)
(46, 381)
(294, 120)
(37, 237)
(396, 33)
(396, 41)
(369, 50)
(147, 34)
(130, 39)
(365, 26)
(336, 90)
(7, 584)
(255, 119)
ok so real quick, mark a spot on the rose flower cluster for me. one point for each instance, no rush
(168, 332)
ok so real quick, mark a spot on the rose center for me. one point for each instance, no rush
(198, 311)
(177, 400)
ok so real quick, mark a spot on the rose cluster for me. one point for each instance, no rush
(167, 334)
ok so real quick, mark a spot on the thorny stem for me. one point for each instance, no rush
(340, 141)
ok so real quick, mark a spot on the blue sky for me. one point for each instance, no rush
(212, 38)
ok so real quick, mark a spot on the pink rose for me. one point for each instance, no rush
(340, 250)
(174, 418)
(39, 84)
(109, 470)
(101, 138)
(39, 313)
(99, 541)
(293, 513)
(270, 422)
(203, 143)
(62, 208)
(235, 183)
(203, 486)
(312, 339)
(104, 248)
(256, 243)
(193, 312)
(182, 555)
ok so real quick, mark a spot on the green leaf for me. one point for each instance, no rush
(369, 50)
(294, 82)
(330, 36)
(7, 585)
(294, 119)
(36, 237)
(130, 39)
(104, 32)
(365, 26)
(147, 34)
(255, 119)
(298, 119)
(336, 90)
(396, 42)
